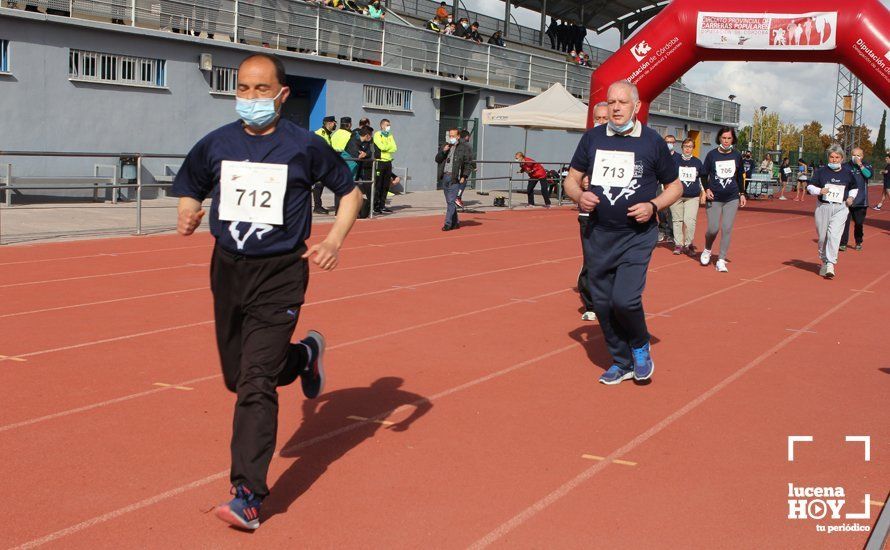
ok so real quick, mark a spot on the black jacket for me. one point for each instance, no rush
(861, 200)
(462, 164)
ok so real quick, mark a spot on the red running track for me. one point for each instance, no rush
(464, 353)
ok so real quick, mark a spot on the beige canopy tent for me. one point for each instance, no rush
(552, 109)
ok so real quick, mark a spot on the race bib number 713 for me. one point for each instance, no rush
(252, 192)
(612, 169)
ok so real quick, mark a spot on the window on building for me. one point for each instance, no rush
(706, 138)
(679, 134)
(116, 69)
(662, 130)
(4, 56)
(390, 99)
(223, 80)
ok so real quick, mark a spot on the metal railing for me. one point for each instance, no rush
(308, 27)
(10, 183)
(510, 177)
(676, 101)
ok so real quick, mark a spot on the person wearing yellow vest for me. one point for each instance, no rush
(339, 140)
(386, 147)
(329, 124)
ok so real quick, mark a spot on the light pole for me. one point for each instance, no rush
(762, 112)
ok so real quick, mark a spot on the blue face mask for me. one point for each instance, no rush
(452, 141)
(834, 165)
(257, 113)
(621, 129)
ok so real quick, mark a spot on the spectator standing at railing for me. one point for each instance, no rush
(386, 148)
(579, 32)
(357, 152)
(462, 27)
(340, 138)
(562, 37)
(259, 268)
(434, 25)
(451, 29)
(454, 161)
(375, 10)
(442, 12)
(536, 174)
(473, 33)
(552, 31)
(497, 40)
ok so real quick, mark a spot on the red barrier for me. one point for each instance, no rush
(856, 34)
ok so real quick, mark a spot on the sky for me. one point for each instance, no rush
(798, 91)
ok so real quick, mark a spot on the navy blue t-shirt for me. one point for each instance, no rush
(308, 158)
(691, 188)
(652, 166)
(826, 175)
(725, 189)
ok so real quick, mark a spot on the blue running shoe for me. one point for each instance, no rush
(243, 511)
(644, 366)
(312, 378)
(615, 375)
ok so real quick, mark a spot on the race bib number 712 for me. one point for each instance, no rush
(252, 192)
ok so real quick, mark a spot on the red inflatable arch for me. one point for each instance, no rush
(856, 34)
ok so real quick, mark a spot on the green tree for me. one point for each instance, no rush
(880, 142)
(770, 126)
(744, 135)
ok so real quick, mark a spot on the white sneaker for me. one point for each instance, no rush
(588, 316)
(721, 266)
(705, 257)
(782, 198)
(829, 271)
(823, 270)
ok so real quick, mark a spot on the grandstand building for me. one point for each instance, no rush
(153, 76)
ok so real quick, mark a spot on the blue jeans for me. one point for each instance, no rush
(451, 189)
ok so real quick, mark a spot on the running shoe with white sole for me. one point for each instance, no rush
(829, 271)
(312, 379)
(705, 257)
(243, 511)
(616, 375)
(823, 269)
(721, 266)
(644, 366)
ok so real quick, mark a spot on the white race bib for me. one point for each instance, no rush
(725, 169)
(252, 192)
(612, 169)
(688, 174)
(786, 170)
(835, 193)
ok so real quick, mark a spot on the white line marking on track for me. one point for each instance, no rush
(572, 484)
(100, 275)
(100, 302)
(221, 475)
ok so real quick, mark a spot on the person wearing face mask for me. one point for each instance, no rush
(685, 210)
(259, 172)
(747, 170)
(723, 193)
(462, 28)
(858, 205)
(600, 117)
(835, 186)
(385, 144)
(326, 132)
(454, 163)
(625, 162)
